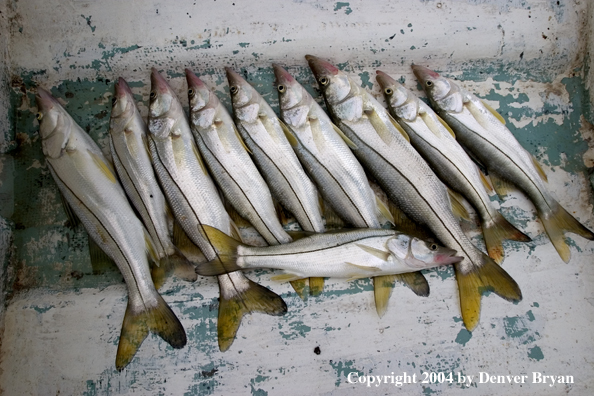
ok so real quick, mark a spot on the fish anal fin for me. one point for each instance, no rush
(501, 186)
(73, 220)
(299, 287)
(539, 169)
(376, 252)
(458, 207)
(286, 277)
(235, 234)
(103, 166)
(100, 261)
(494, 112)
(382, 290)
(415, 281)
(486, 183)
(344, 137)
(233, 307)
(160, 320)
(150, 247)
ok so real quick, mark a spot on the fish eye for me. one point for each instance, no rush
(388, 91)
(114, 100)
(153, 95)
(39, 116)
(433, 246)
(190, 92)
(233, 90)
(281, 88)
(429, 83)
(324, 81)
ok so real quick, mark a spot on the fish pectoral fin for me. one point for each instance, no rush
(384, 210)
(382, 290)
(502, 187)
(458, 207)
(364, 268)
(293, 141)
(160, 320)
(376, 252)
(430, 122)
(286, 277)
(254, 298)
(379, 126)
(344, 137)
(241, 139)
(539, 169)
(446, 126)
(103, 166)
(399, 127)
(493, 111)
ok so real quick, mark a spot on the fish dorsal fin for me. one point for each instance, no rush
(502, 187)
(384, 210)
(415, 282)
(539, 169)
(446, 126)
(379, 126)
(241, 139)
(73, 219)
(430, 122)
(485, 181)
(457, 205)
(150, 248)
(399, 127)
(376, 252)
(103, 166)
(344, 137)
(285, 277)
(199, 158)
(100, 261)
(382, 290)
(293, 141)
(492, 111)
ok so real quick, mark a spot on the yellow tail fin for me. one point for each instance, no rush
(240, 296)
(160, 320)
(560, 220)
(498, 230)
(471, 285)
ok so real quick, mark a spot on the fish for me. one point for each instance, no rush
(195, 202)
(230, 164)
(324, 153)
(132, 162)
(89, 185)
(383, 148)
(436, 142)
(264, 135)
(351, 254)
(482, 130)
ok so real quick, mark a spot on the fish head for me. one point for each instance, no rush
(294, 101)
(161, 96)
(435, 86)
(419, 254)
(122, 106)
(334, 84)
(203, 102)
(54, 123)
(403, 103)
(244, 98)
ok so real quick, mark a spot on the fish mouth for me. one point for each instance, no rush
(383, 79)
(282, 76)
(321, 67)
(158, 82)
(45, 101)
(447, 256)
(193, 80)
(233, 77)
(122, 88)
(423, 73)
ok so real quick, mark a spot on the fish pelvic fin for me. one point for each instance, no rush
(159, 320)
(471, 285)
(316, 286)
(557, 222)
(498, 230)
(382, 290)
(254, 298)
(416, 282)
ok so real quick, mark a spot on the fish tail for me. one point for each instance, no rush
(496, 231)
(175, 263)
(226, 248)
(557, 222)
(159, 319)
(243, 299)
(471, 285)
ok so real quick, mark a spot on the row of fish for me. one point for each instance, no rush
(257, 159)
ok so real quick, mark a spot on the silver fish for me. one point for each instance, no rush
(482, 130)
(352, 254)
(322, 149)
(229, 162)
(90, 187)
(408, 180)
(435, 141)
(195, 202)
(263, 133)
